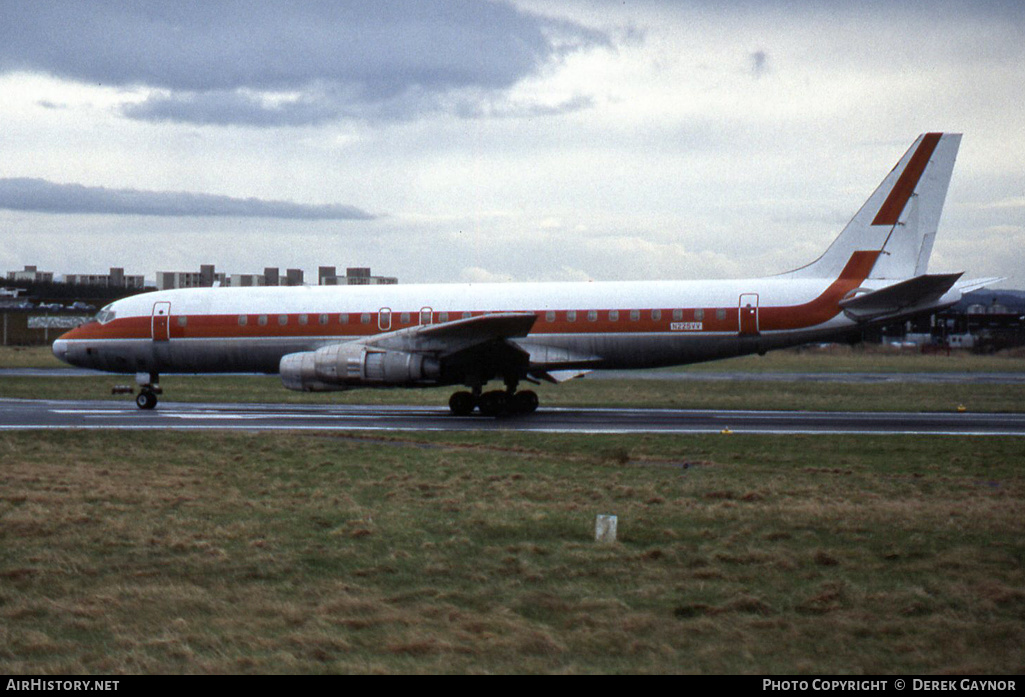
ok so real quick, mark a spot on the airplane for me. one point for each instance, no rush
(328, 338)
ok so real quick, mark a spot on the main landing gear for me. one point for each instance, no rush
(494, 403)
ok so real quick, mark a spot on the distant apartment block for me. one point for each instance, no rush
(115, 279)
(208, 276)
(354, 276)
(31, 274)
(271, 276)
(166, 280)
(240, 280)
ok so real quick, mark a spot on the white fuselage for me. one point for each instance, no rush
(594, 325)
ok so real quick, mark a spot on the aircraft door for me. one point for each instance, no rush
(748, 314)
(161, 323)
(426, 315)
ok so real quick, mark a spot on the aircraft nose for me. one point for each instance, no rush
(60, 349)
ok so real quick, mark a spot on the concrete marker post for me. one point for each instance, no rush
(605, 528)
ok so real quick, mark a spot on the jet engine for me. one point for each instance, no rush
(343, 366)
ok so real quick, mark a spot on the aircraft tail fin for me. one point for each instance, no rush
(900, 218)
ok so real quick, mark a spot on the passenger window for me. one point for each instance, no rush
(656, 315)
(677, 315)
(571, 315)
(404, 318)
(303, 319)
(343, 318)
(635, 315)
(720, 314)
(262, 321)
(282, 320)
(323, 319)
(550, 316)
(365, 318)
(243, 320)
(613, 315)
(182, 320)
(467, 315)
(699, 314)
(443, 317)
(592, 315)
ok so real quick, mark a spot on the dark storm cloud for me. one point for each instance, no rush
(48, 197)
(209, 57)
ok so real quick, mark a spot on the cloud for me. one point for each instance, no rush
(48, 197)
(759, 63)
(238, 108)
(216, 62)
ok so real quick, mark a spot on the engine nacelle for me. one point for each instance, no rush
(341, 366)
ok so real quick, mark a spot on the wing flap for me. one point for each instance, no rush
(557, 376)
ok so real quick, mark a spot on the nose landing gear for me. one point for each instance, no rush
(149, 388)
(146, 400)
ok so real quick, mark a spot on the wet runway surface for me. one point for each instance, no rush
(18, 414)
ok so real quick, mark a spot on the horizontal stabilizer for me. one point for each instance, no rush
(971, 284)
(920, 292)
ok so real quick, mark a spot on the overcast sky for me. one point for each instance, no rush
(462, 140)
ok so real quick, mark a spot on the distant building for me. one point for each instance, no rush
(204, 278)
(245, 280)
(354, 276)
(115, 279)
(31, 274)
(325, 272)
(294, 277)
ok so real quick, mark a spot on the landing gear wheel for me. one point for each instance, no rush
(462, 403)
(146, 400)
(525, 402)
(494, 403)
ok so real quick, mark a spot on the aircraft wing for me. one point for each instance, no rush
(918, 293)
(448, 338)
(485, 340)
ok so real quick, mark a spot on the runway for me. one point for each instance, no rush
(864, 378)
(16, 414)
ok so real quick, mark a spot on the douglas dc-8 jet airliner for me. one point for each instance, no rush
(341, 337)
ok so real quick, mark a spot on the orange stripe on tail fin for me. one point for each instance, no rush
(893, 206)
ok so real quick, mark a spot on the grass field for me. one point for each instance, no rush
(418, 553)
(219, 552)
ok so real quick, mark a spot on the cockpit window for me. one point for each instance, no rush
(105, 315)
